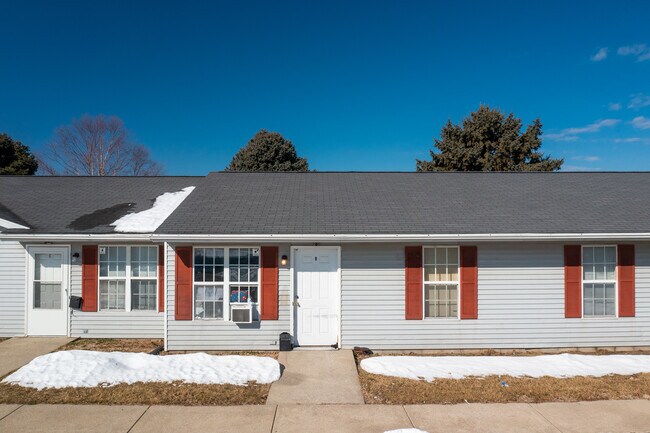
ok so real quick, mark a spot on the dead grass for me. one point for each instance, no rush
(379, 389)
(140, 394)
(3, 339)
(113, 345)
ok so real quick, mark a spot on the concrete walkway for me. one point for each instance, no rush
(585, 417)
(18, 351)
(317, 377)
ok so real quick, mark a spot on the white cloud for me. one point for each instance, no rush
(640, 51)
(570, 134)
(600, 55)
(639, 100)
(641, 122)
(614, 106)
(627, 140)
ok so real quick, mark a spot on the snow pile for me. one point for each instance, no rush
(430, 368)
(81, 368)
(149, 220)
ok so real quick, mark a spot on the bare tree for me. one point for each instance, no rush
(97, 146)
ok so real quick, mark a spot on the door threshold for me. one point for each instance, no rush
(314, 348)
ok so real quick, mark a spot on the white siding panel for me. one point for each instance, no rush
(113, 324)
(13, 268)
(521, 303)
(222, 335)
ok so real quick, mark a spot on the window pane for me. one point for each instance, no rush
(599, 291)
(112, 294)
(429, 256)
(588, 255)
(198, 273)
(452, 255)
(218, 275)
(243, 274)
(198, 256)
(609, 308)
(209, 256)
(234, 256)
(599, 255)
(255, 256)
(143, 295)
(453, 272)
(588, 308)
(610, 272)
(441, 273)
(429, 273)
(600, 271)
(253, 275)
(589, 291)
(209, 273)
(243, 256)
(47, 296)
(599, 307)
(234, 274)
(610, 255)
(610, 291)
(253, 294)
(453, 294)
(588, 270)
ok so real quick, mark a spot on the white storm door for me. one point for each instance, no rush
(47, 291)
(316, 291)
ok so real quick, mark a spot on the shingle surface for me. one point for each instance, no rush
(67, 205)
(415, 203)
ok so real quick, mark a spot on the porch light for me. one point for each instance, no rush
(284, 261)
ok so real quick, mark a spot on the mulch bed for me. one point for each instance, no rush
(113, 345)
(378, 389)
(140, 393)
(177, 393)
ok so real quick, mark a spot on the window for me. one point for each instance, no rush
(599, 281)
(209, 265)
(441, 282)
(128, 278)
(219, 271)
(144, 278)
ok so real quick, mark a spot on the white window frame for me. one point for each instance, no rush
(127, 278)
(440, 283)
(226, 283)
(583, 282)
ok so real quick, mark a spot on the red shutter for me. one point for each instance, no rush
(269, 283)
(572, 281)
(468, 282)
(413, 281)
(626, 281)
(183, 298)
(161, 278)
(89, 277)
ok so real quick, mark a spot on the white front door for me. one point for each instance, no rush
(317, 296)
(47, 291)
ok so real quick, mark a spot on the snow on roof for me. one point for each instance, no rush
(430, 368)
(84, 368)
(11, 225)
(149, 220)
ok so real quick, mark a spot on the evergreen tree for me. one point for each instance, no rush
(268, 151)
(487, 140)
(15, 157)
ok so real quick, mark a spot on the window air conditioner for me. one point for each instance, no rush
(241, 313)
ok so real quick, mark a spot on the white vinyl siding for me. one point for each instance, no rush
(223, 334)
(13, 270)
(110, 324)
(520, 302)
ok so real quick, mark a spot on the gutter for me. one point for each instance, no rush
(158, 238)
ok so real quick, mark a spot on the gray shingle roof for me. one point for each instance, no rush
(68, 205)
(415, 203)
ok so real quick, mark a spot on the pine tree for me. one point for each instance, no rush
(487, 140)
(268, 151)
(15, 157)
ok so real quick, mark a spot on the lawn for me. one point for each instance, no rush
(177, 393)
(380, 389)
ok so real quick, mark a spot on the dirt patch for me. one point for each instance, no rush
(3, 339)
(113, 345)
(378, 389)
(140, 394)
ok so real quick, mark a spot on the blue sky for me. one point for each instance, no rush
(355, 85)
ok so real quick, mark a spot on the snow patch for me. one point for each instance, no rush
(82, 368)
(149, 220)
(430, 368)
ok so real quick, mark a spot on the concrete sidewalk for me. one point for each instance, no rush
(317, 377)
(584, 417)
(18, 351)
